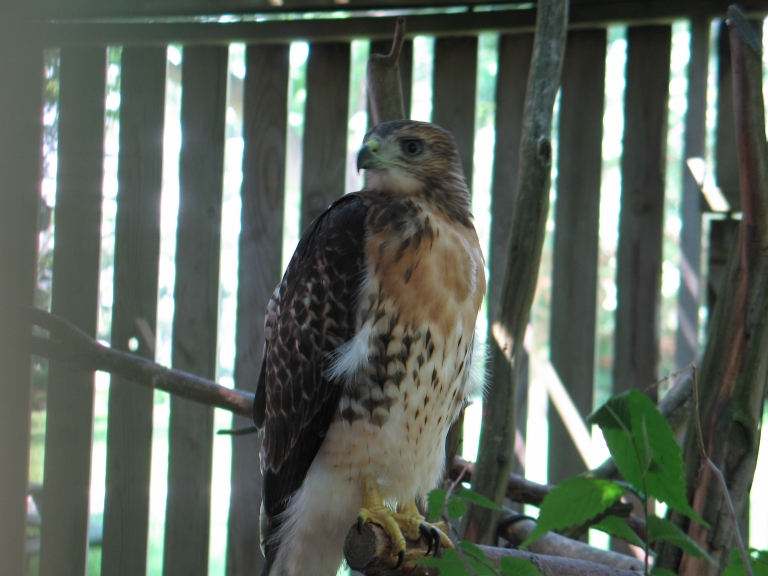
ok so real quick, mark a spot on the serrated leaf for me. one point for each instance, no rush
(456, 508)
(663, 529)
(621, 420)
(616, 527)
(572, 502)
(479, 499)
(512, 566)
(662, 572)
(435, 501)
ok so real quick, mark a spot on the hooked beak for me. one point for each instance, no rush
(366, 158)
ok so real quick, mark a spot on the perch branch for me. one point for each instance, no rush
(70, 344)
(369, 552)
(497, 436)
(385, 91)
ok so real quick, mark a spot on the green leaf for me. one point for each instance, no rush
(572, 502)
(736, 566)
(456, 508)
(471, 548)
(622, 421)
(662, 572)
(435, 501)
(449, 565)
(479, 499)
(616, 527)
(512, 566)
(662, 529)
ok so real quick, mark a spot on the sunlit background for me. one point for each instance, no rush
(536, 450)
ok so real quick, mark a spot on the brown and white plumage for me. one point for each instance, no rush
(369, 348)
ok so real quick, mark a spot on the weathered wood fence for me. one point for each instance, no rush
(82, 31)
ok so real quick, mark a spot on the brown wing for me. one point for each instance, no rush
(310, 315)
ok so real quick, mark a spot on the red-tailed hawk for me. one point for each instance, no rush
(369, 353)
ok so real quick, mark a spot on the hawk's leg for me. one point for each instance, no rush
(407, 520)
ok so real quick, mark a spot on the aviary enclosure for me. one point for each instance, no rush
(159, 161)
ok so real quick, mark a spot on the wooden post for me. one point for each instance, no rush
(261, 241)
(137, 251)
(69, 423)
(573, 324)
(405, 64)
(21, 103)
(196, 294)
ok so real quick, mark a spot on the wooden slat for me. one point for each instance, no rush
(325, 129)
(453, 93)
(196, 294)
(137, 249)
(638, 274)
(582, 11)
(515, 52)
(406, 69)
(689, 296)
(69, 423)
(261, 239)
(21, 103)
(573, 324)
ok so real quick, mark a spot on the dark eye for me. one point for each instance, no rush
(413, 147)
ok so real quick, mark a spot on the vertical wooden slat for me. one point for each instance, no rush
(406, 69)
(574, 277)
(454, 94)
(196, 294)
(638, 274)
(325, 128)
(686, 341)
(69, 424)
(21, 90)
(515, 52)
(137, 249)
(261, 239)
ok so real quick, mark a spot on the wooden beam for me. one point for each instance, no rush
(261, 241)
(196, 294)
(21, 104)
(689, 295)
(69, 422)
(453, 94)
(325, 129)
(44, 10)
(137, 252)
(573, 324)
(589, 15)
(638, 272)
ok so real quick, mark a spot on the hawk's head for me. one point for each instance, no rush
(407, 157)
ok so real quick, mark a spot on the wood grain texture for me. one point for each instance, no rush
(325, 128)
(638, 273)
(69, 423)
(201, 163)
(689, 295)
(573, 320)
(261, 239)
(21, 103)
(454, 93)
(137, 250)
(515, 52)
(406, 70)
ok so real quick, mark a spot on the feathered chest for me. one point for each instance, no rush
(415, 320)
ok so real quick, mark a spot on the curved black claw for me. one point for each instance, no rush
(435, 533)
(427, 535)
(400, 559)
(359, 525)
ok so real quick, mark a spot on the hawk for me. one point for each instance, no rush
(369, 354)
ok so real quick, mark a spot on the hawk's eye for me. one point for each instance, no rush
(413, 147)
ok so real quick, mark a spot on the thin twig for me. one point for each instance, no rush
(720, 479)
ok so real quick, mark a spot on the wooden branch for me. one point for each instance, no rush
(385, 91)
(369, 552)
(497, 436)
(69, 344)
(733, 380)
